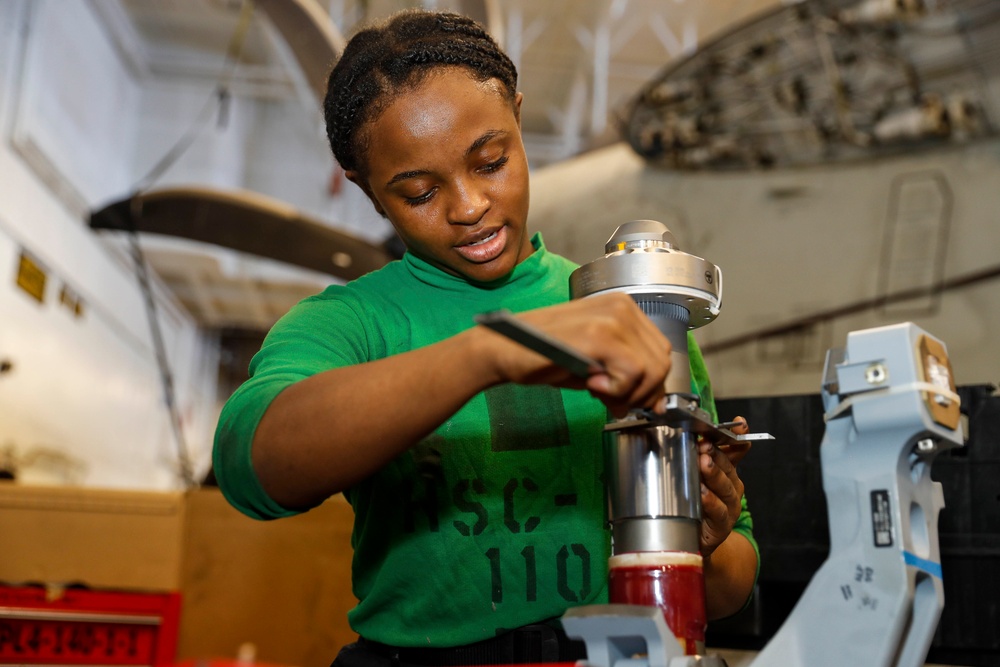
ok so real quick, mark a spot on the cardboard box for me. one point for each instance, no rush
(281, 587)
(120, 540)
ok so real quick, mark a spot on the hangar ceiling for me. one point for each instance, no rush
(579, 62)
(591, 69)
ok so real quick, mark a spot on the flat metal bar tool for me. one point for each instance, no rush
(504, 323)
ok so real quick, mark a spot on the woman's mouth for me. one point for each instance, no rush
(488, 238)
(486, 249)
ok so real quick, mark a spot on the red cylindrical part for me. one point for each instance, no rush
(674, 581)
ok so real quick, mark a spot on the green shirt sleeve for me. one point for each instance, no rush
(318, 334)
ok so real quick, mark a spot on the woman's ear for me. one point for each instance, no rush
(355, 177)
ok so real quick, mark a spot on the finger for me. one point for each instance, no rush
(713, 510)
(620, 406)
(632, 379)
(741, 428)
(647, 361)
(715, 478)
(597, 386)
(735, 452)
(721, 478)
(716, 523)
(720, 503)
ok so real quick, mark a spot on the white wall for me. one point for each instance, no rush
(79, 129)
(83, 401)
(168, 111)
(75, 101)
(289, 158)
(797, 243)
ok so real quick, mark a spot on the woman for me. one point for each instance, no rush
(473, 464)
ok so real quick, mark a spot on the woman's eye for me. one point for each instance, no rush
(419, 199)
(490, 167)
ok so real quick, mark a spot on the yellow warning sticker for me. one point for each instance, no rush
(71, 300)
(31, 277)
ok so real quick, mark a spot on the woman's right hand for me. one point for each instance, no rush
(609, 328)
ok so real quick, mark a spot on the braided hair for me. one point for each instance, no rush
(386, 59)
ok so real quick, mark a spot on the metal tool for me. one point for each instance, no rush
(504, 322)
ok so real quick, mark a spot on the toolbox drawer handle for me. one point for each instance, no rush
(37, 615)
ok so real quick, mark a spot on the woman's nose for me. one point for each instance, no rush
(469, 203)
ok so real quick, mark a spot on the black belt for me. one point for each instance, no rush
(531, 643)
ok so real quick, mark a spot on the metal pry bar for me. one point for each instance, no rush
(504, 323)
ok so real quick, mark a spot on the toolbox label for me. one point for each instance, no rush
(36, 641)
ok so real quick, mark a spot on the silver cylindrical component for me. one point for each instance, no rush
(672, 321)
(665, 533)
(677, 290)
(654, 499)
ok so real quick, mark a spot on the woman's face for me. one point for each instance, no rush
(447, 167)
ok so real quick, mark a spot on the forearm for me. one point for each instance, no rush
(325, 433)
(729, 576)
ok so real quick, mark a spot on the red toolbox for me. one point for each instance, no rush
(87, 627)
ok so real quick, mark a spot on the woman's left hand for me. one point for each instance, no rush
(721, 489)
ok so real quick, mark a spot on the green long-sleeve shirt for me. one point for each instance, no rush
(497, 519)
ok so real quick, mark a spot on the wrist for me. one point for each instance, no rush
(478, 356)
